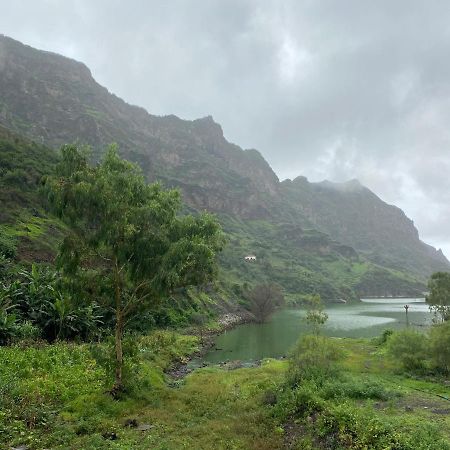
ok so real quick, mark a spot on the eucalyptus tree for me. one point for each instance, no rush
(131, 232)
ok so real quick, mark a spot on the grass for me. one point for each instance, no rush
(54, 396)
(367, 403)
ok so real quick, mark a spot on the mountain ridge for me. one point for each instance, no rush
(54, 100)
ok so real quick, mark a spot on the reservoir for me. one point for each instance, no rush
(273, 339)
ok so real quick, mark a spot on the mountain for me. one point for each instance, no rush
(355, 216)
(340, 239)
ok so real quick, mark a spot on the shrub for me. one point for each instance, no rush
(355, 388)
(299, 402)
(8, 327)
(410, 348)
(314, 358)
(8, 245)
(440, 347)
(351, 427)
(384, 337)
(26, 331)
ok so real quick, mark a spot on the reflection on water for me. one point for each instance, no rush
(274, 338)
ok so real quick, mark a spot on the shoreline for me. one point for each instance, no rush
(225, 322)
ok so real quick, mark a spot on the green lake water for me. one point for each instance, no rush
(274, 339)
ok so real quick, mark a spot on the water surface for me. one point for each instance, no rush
(274, 339)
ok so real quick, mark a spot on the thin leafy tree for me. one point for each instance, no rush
(438, 297)
(315, 315)
(131, 232)
(263, 300)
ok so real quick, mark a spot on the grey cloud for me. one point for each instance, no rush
(329, 89)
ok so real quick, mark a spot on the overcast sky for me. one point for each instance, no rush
(327, 89)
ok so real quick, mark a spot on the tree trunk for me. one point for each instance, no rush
(118, 380)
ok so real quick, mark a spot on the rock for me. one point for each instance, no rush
(20, 447)
(144, 427)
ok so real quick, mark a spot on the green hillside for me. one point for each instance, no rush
(27, 232)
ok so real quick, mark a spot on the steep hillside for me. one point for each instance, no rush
(354, 215)
(54, 100)
(27, 232)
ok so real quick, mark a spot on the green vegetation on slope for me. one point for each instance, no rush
(26, 229)
(304, 262)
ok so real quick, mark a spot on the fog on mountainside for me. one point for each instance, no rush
(53, 100)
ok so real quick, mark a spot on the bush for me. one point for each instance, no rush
(314, 358)
(440, 347)
(8, 327)
(8, 245)
(299, 402)
(384, 337)
(354, 388)
(26, 331)
(410, 348)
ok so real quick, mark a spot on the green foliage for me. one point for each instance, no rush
(35, 382)
(345, 425)
(439, 295)
(315, 315)
(314, 357)
(8, 244)
(53, 394)
(410, 348)
(419, 352)
(347, 386)
(8, 327)
(37, 303)
(383, 338)
(132, 232)
(440, 347)
(354, 410)
(115, 214)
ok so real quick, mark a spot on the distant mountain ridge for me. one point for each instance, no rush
(54, 100)
(355, 216)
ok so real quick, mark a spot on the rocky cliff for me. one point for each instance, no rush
(54, 100)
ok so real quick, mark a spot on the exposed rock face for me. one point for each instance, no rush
(55, 100)
(353, 215)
